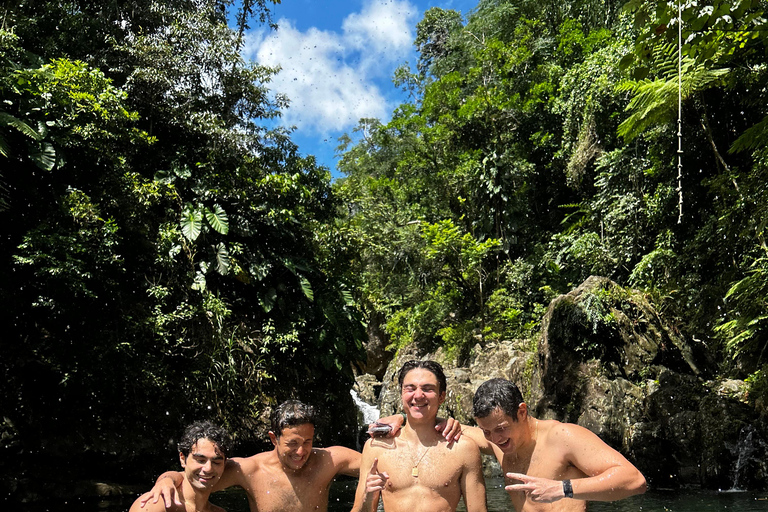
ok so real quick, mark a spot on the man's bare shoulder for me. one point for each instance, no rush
(559, 432)
(463, 444)
(464, 450)
(565, 439)
(249, 464)
(377, 445)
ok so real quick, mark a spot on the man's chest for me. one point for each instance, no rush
(540, 465)
(280, 493)
(434, 471)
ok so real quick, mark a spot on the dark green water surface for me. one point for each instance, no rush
(342, 492)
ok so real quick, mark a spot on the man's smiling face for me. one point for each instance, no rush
(421, 394)
(502, 430)
(204, 464)
(294, 446)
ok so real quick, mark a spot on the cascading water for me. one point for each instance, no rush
(751, 464)
(366, 414)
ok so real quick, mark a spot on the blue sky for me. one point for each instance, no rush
(337, 59)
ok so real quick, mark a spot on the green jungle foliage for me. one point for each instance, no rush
(539, 147)
(165, 258)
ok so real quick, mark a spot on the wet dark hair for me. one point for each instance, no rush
(497, 393)
(291, 413)
(205, 430)
(431, 366)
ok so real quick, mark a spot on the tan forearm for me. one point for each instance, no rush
(614, 484)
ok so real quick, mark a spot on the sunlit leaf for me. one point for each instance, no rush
(306, 287)
(218, 219)
(222, 259)
(44, 156)
(191, 224)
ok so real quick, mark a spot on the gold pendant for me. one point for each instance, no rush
(415, 472)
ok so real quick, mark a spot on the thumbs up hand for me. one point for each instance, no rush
(375, 481)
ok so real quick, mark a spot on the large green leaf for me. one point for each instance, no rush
(306, 287)
(222, 259)
(218, 219)
(268, 300)
(191, 223)
(44, 156)
(7, 119)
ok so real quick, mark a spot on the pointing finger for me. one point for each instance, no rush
(375, 467)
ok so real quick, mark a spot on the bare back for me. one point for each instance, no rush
(443, 472)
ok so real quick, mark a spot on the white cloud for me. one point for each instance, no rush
(330, 77)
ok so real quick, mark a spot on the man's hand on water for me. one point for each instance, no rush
(166, 489)
(375, 481)
(450, 429)
(540, 490)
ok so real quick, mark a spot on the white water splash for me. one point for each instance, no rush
(370, 413)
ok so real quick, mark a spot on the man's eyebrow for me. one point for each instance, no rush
(203, 456)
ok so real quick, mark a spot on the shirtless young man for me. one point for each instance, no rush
(203, 451)
(547, 460)
(294, 476)
(418, 470)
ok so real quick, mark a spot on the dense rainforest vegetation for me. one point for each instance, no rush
(166, 256)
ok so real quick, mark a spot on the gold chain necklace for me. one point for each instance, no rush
(415, 470)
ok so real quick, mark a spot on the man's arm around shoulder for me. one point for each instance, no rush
(345, 460)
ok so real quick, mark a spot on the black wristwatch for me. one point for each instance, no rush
(567, 489)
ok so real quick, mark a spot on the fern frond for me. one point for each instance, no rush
(754, 137)
(655, 101)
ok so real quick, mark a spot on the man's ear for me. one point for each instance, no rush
(272, 437)
(442, 398)
(183, 460)
(522, 412)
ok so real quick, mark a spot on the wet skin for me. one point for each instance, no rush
(444, 472)
(537, 455)
(203, 467)
(294, 477)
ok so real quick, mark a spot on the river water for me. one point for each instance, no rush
(342, 495)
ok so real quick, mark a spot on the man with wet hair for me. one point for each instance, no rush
(546, 461)
(203, 450)
(418, 470)
(294, 476)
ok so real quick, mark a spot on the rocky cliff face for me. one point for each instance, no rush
(604, 359)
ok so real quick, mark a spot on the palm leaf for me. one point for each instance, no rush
(7, 119)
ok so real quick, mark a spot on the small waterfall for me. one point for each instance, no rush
(366, 414)
(751, 466)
